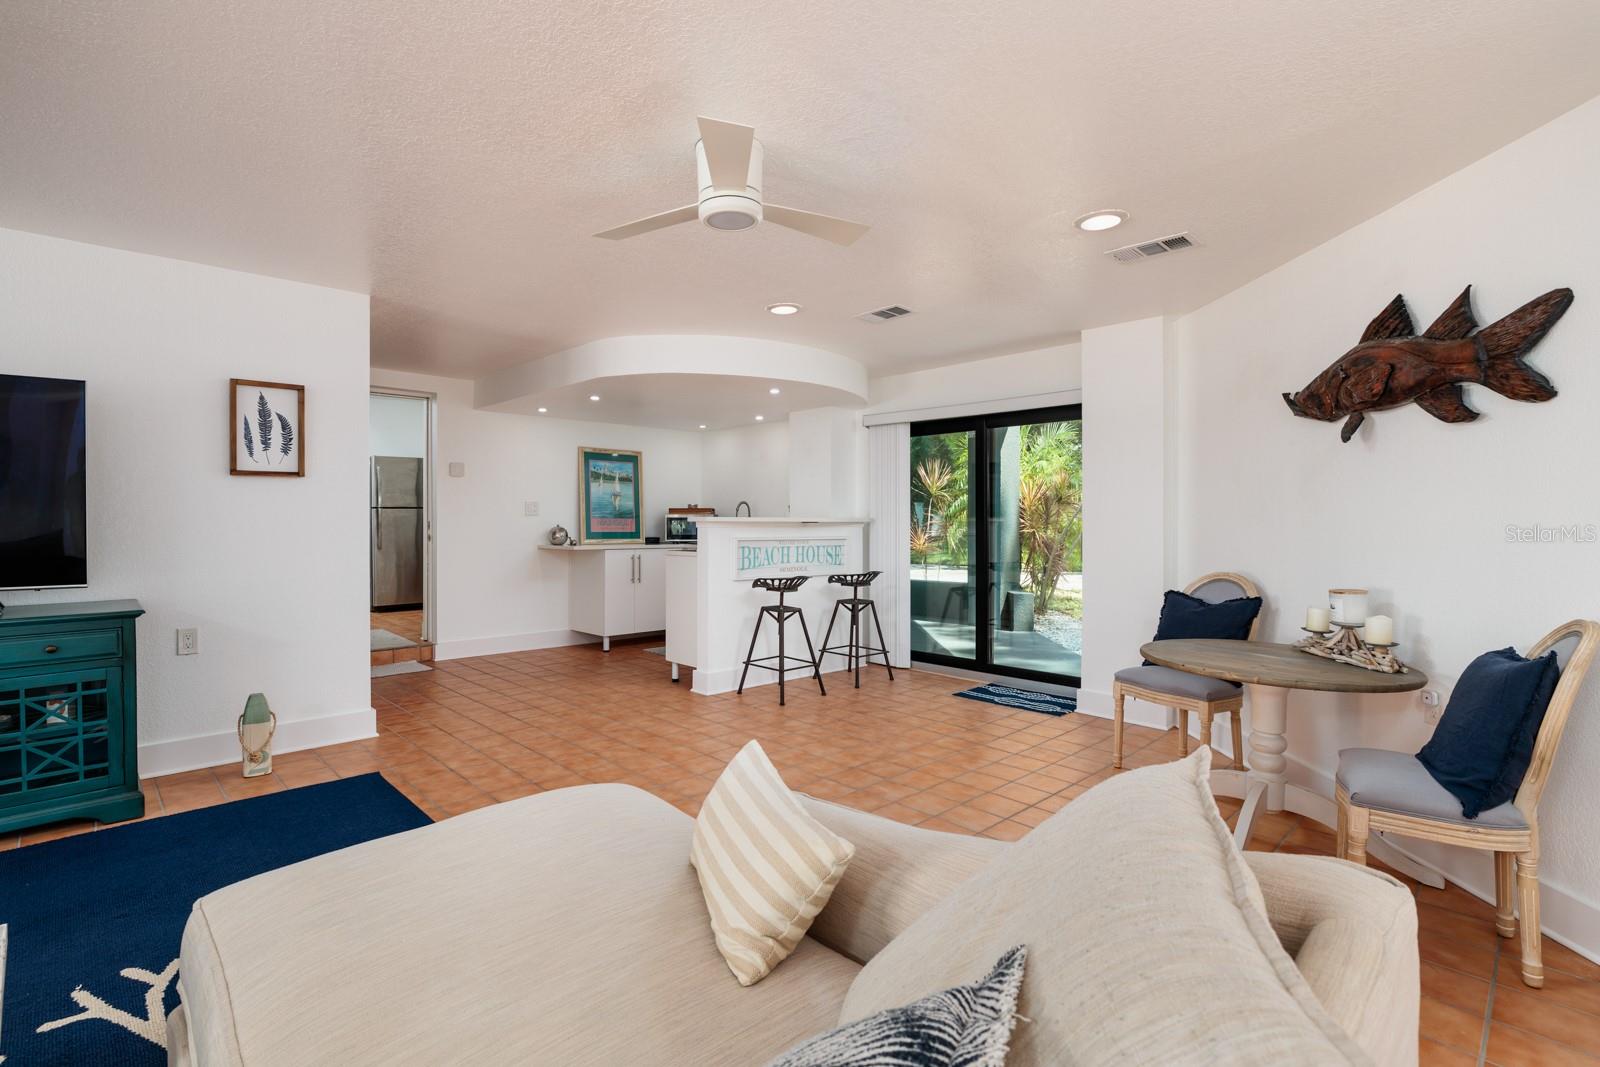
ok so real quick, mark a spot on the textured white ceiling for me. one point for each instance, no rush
(454, 158)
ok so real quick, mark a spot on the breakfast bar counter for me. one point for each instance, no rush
(721, 613)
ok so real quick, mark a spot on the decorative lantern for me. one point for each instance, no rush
(256, 727)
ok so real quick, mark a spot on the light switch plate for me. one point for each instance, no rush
(530, 508)
(458, 470)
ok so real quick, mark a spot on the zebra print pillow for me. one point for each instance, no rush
(968, 1026)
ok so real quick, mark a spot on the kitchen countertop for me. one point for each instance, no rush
(776, 520)
(604, 546)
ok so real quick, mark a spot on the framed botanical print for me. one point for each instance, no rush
(610, 496)
(267, 434)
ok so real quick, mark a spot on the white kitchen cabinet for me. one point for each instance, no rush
(616, 591)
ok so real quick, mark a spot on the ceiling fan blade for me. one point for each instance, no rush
(654, 222)
(839, 231)
(727, 146)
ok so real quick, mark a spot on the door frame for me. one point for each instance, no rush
(430, 591)
(980, 553)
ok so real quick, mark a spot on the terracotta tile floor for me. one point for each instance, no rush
(477, 731)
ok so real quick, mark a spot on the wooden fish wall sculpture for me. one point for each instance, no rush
(1394, 365)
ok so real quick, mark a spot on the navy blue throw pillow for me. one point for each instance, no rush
(1516, 766)
(1183, 615)
(1474, 748)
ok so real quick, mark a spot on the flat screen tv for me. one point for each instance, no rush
(43, 542)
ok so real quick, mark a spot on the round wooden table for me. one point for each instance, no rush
(1268, 671)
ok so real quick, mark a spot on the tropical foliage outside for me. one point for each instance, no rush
(1049, 508)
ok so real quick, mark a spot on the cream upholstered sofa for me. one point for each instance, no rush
(569, 928)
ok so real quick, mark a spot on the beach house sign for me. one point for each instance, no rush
(776, 557)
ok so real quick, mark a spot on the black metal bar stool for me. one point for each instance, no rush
(780, 613)
(857, 649)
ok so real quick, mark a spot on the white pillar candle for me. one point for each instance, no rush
(1317, 620)
(1349, 606)
(1379, 630)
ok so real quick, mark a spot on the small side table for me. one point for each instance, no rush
(1268, 672)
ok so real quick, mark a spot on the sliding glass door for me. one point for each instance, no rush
(997, 543)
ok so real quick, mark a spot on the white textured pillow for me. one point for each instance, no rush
(766, 867)
(1140, 917)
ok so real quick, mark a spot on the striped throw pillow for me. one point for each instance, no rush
(766, 867)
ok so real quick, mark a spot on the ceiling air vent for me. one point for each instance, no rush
(893, 311)
(1145, 249)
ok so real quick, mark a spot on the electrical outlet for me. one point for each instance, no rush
(530, 508)
(1430, 705)
(189, 642)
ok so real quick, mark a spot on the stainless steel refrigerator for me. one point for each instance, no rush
(397, 532)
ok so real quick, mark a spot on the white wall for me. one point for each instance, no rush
(398, 426)
(1129, 500)
(1413, 508)
(827, 463)
(747, 463)
(271, 570)
(1020, 380)
(496, 591)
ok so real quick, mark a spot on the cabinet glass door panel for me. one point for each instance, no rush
(54, 734)
(944, 574)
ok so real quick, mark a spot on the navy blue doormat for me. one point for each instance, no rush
(1026, 699)
(94, 921)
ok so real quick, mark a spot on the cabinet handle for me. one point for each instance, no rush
(51, 650)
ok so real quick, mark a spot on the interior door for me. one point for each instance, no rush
(619, 587)
(650, 591)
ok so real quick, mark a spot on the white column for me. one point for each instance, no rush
(1129, 501)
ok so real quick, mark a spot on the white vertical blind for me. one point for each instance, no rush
(889, 536)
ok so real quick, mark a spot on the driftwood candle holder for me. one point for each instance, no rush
(1343, 644)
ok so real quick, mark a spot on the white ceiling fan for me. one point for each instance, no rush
(728, 162)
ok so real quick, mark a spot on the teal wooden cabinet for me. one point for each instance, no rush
(69, 739)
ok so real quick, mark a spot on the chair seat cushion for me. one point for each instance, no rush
(562, 928)
(1178, 683)
(1397, 782)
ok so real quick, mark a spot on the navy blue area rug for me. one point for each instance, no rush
(94, 921)
(1026, 699)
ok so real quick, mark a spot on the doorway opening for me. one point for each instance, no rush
(400, 530)
(997, 543)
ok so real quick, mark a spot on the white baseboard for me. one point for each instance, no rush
(211, 750)
(528, 642)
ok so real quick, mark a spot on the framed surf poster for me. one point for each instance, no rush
(610, 496)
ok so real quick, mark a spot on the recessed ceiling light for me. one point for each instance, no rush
(761, 418)
(774, 390)
(1101, 220)
(702, 425)
(594, 396)
(543, 410)
(783, 309)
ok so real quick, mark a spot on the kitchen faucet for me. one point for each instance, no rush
(742, 504)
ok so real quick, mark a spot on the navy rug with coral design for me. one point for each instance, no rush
(92, 923)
